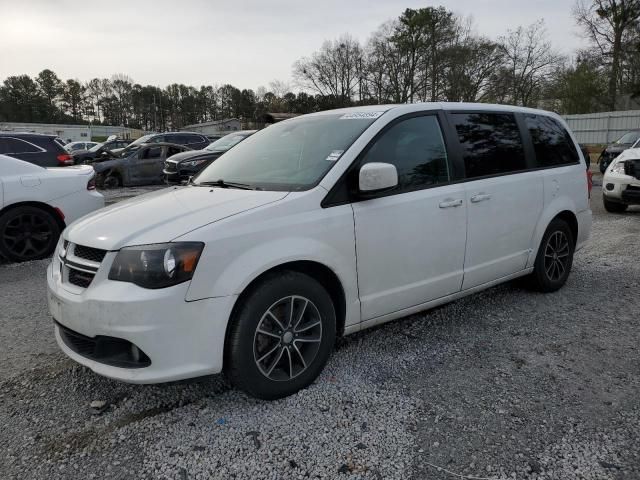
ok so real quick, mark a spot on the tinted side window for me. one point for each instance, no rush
(14, 145)
(152, 152)
(552, 143)
(491, 143)
(416, 147)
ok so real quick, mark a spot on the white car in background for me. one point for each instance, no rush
(76, 147)
(621, 182)
(36, 204)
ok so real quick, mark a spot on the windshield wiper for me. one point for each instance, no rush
(223, 184)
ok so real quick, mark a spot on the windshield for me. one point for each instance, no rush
(289, 156)
(126, 151)
(143, 139)
(629, 138)
(96, 147)
(225, 143)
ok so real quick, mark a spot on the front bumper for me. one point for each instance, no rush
(621, 188)
(181, 339)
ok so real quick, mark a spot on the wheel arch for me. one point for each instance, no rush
(570, 218)
(562, 209)
(56, 213)
(316, 270)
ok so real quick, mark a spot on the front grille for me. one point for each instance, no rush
(80, 264)
(89, 253)
(632, 168)
(80, 279)
(108, 350)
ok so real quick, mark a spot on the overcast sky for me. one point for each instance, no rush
(247, 43)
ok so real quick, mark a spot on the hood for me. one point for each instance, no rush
(616, 148)
(192, 155)
(163, 215)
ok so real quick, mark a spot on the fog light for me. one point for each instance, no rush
(610, 186)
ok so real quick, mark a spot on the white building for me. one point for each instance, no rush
(216, 127)
(73, 133)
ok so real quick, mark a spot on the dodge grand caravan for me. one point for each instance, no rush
(318, 226)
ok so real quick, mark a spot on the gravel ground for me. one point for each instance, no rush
(500, 385)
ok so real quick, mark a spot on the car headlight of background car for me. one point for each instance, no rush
(618, 168)
(156, 266)
(193, 163)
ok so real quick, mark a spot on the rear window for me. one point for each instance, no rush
(551, 142)
(491, 143)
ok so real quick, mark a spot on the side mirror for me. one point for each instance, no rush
(375, 177)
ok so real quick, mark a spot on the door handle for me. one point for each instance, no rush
(481, 197)
(450, 202)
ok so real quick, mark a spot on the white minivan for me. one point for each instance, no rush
(313, 228)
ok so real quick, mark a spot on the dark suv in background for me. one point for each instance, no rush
(195, 141)
(41, 150)
(183, 165)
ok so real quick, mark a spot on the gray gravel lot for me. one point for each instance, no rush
(503, 384)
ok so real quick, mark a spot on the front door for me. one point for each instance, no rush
(143, 166)
(410, 242)
(504, 200)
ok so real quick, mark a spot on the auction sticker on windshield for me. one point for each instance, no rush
(360, 115)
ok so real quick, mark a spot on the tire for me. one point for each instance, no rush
(550, 272)
(613, 207)
(110, 180)
(28, 233)
(295, 359)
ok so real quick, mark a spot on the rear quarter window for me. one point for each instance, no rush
(551, 141)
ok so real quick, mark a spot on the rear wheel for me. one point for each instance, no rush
(28, 233)
(555, 257)
(613, 207)
(281, 336)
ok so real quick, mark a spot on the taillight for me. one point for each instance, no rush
(65, 159)
(589, 181)
(91, 185)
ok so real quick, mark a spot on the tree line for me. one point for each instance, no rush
(426, 54)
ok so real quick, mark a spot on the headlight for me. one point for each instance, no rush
(193, 163)
(156, 266)
(618, 167)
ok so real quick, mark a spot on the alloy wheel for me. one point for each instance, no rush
(288, 338)
(27, 235)
(556, 256)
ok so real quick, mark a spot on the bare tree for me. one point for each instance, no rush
(334, 70)
(529, 62)
(606, 23)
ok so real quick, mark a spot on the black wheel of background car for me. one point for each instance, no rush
(280, 336)
(111, 180)
(613, 207)
(28, 233)
(555, 257)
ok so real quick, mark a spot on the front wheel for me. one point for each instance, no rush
(281, 336)
(555, 257)
(613, 207)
